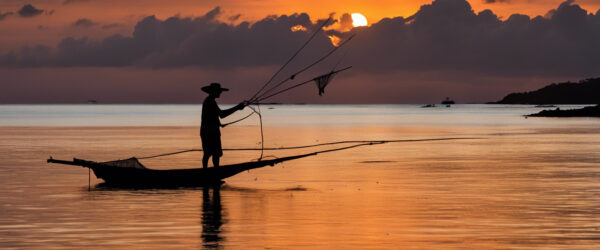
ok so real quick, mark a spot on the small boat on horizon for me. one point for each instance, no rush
(448, 101)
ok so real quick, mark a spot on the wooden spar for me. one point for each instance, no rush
(291, 58)
(299, 84)
(257, 98)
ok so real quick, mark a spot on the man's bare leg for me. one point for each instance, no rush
(205, 160)
(216, 161)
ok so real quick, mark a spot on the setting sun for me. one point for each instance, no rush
(358, 20)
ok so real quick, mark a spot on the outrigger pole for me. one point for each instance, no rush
(293, 56)
(299, 84)
(315, 145)
(256, 97)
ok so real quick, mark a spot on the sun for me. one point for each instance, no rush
(358, 20)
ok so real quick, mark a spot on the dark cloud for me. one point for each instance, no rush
(74, 1)
(495, 1)
(449, 35)
(330, 23)
(234, 18)
(111, 25)
(346, 22)
(446, 35)
(4, 15)
(177, 42)
(84, 23)
(213, 14)
(29, 11)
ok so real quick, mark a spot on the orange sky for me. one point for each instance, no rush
(481, 66)
(49, 29)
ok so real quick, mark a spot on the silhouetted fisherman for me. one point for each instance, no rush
(210, 128)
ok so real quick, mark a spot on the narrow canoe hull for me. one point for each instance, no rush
(132, 177)
(115, 174)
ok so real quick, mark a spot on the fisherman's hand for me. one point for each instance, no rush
(241, 105)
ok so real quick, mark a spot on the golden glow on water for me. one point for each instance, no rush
(518, 187)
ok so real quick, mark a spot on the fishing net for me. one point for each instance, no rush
(323, 81)
(127, 163)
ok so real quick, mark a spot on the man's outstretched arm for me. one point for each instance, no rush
(227, 112)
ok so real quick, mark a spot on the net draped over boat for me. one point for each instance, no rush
(127, 163)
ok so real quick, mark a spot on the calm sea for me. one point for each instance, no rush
(283, 115)
(519, 183)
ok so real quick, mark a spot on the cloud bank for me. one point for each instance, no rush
(29, 10)
(446, 35)
(84, 22)
(66, 2)
(177, 42)
(4, 15)
(111, 25)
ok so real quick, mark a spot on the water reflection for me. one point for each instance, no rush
(525, 187)
(212, 219)
(150, 203)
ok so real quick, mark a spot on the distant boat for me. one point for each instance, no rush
(92, 101)
(448, 101)
(428, 106)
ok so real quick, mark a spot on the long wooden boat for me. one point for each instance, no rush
(131, 173)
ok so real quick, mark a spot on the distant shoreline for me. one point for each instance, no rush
(584, 92)
(591, 111)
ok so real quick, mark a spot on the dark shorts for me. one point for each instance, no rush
(211, 145)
